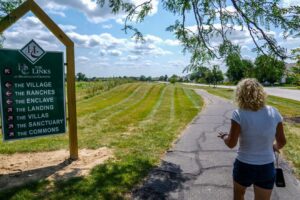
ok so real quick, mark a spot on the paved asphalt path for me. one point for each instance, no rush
(275, 91)
(199, 165)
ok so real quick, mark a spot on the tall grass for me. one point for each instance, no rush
(87, 90)
(139, 121)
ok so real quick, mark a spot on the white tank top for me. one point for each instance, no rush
(258, 129)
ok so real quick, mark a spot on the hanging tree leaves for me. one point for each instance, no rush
(6, 6)
(218, 19)
(213, 19)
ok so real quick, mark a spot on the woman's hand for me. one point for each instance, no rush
(275, 148)
(222, 135)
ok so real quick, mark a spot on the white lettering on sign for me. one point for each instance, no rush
(20, 101)
(38, 70)
(38, 116)
(45, 123)
(20, 93)
(40, 100)
(21, 109)
(40, 108)
(40, 92)
(39, 84)
(43, 131)
(23, 117)
(19, 85)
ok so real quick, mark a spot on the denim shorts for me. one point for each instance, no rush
(260, 175)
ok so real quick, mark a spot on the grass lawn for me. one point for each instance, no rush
(289, 109)
(139, 121)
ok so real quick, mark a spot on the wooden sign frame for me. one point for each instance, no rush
(14, 16)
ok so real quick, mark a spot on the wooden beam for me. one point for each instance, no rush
(14, 16)
(72, 103)
(50, 24)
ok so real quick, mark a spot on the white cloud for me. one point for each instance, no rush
(82, 59)
(114, 52)
(130, 58)
(287, 3)
(111, 45)
(90, 47)
(290, 43)
(30, 28)
(148, 49)
(177, 63)
(236, 34)
(107, 26)
(67, 27)
(90, 9)
(59, 13)
(152, 39)
(229, 10)
(172, 42)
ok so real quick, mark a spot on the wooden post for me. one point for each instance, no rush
(14, 16)
(72, 103)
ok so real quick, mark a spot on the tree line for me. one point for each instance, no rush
(266, 69)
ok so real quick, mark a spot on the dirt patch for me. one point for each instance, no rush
(20, 168)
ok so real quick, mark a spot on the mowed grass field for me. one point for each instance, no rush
(290, 110)
(138, 121)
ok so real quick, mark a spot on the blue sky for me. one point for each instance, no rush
(103, 49)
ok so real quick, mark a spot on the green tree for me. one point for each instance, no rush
(214, 76)
(198, 73)
(166, 78)
(142, 78)
(248, 68)
(238, 68)
(296, 54)
(294, 75)
(161, 78)
(209, 77)
(268, 68)
(6, 6)
(81, 77)
(235, 69)
(173, 79)
(149, 78)
(217, 75)
(214, 19)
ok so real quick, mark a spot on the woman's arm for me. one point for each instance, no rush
(231, 139)
(280, 137)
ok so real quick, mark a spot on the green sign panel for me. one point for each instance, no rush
(32, 92)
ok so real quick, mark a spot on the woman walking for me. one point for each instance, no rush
(259, 130)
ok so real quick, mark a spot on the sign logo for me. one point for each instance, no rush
(32, 52)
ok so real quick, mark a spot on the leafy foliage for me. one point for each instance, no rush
(199, 74)
(205, 75)
(235, 71)
(81, 77)
(214, 76)
(173, 79)
(216, 19)
(238, 68)
(248, 68)
(269, 69)
(6, 6)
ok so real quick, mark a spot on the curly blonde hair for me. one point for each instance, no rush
(250, 95)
